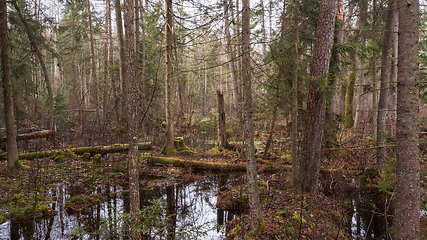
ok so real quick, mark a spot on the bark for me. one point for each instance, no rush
(110, 67)
(362, 22)
(143, 59)
(331, 125)
(231, 59)
(392, 94)
(169, 76)
(222, 131)
(106, 63)
(295, 99)
(407, 220)
(315, 120)
(12, 149)
(264, 43)
(94, 76)
(385, 83)
(374, 74)
(35, 45)
(349, 122)
(122, 59)
(132, 114)
(34, 135)
(254, 202)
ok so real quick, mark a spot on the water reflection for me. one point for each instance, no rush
(187, 207)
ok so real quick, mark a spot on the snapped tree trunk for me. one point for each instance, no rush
(313, 134)
(35, 45)
(407, 220)
(12, 149)
(254, 202)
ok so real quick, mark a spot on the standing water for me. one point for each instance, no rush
(188, 210)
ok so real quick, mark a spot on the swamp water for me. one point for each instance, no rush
(191, 210)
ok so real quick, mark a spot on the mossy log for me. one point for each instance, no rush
(80, 151)
(210, 166)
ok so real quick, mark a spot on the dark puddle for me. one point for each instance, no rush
(190, 208)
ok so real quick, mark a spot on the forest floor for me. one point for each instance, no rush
(286, 213)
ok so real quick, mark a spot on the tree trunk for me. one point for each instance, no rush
(222, 132)
(231, 59)
(111, 70)
(385, 84)
(348, 120)
(362, 21)
(35, 45)
(122, 59)
(331, 124)
(295, 99)
(94, 76)
(133, 131)
(374, 74)
(254, 202)
(12, 149)
(106, 63)
(263, 44)
(392, 93)
(169, 76)
(315, 120)
(407, 163)
(34, 135)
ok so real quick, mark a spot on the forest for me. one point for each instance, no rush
(213, 119)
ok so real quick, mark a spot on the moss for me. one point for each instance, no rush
(78, 199)
(97, 158)
(261, 226)
(179, 143)
(44, 209)
(261, 183)
(2, 219)
(256, 133)
(59, 158)
(29, 211)
(237, 229)
(349, 101)
(16, 213)
(85, 156)
(19, 164)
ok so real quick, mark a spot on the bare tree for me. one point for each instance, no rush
(254, 203)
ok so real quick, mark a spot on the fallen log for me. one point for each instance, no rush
(34, 135)
(209, 166)
(80, 151)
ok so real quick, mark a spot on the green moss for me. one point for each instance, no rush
(261, 183)
(44, 209)
(256, 134)
(261, 226)
(78, 199)
(16, 213)
(237, 229)
(85, 156)
(29, 211)
(59, 158)
(19, 164)
(97, 158)
(2, 219)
